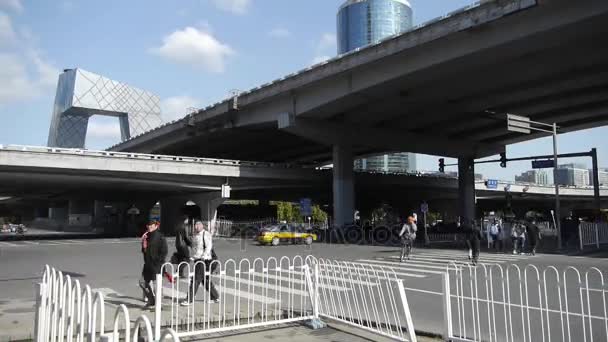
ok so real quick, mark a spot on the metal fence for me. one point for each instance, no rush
(65, 311)
(258, 293)
(492, 303)
(592, 234)
(369, 297)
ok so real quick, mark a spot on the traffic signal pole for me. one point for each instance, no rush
(558, 218)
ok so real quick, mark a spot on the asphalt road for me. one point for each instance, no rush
(114, 266)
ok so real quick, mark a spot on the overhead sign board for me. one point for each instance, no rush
(424, 208)
(543, 164)
(492, 184)
(305, 207)
(516, 123)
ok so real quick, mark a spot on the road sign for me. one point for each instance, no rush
(305, 207)
(424, 207)
(225, 191)
(516, 123)
(543, 164)
(492, 184)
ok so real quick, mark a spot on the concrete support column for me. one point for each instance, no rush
(343, 185)
(208, 203)
(171, 214)
(466, 187)
(80, 212)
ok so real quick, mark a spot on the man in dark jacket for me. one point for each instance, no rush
(475, 237)
(533, 235)
(154, 250)
(182, 244)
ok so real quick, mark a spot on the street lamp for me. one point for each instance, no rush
(522, 124)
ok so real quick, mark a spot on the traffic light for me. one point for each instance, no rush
(441, 165)
(503, 159)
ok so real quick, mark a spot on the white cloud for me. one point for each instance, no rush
(327, 41)
(105, 131)
(233, 6)
(7, 33)
(319, 59)
(14, 5)
(195, 47)
(279, 32)
(176, 107)
(24, 77)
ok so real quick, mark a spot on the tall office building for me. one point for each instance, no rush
(534, 176)
(603, 177)
(363, 22)
(572, 175)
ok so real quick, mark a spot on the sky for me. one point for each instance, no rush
(191, 53)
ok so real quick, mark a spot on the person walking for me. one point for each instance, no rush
(154, 250)
(533, 235)
(408, 236)
(203, 257)
(495, 231)
(521, 238)
(515, 236)
(182, 244)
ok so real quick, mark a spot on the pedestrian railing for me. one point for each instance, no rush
(496, 303)
(443, 237)
(259, 293)
(592, 234)
(365, 296)
(65, 311)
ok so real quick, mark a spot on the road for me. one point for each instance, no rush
(113, 266)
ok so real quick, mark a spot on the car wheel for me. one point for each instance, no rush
(308, 240)
(275, 241)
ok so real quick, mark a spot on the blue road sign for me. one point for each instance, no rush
(542, 164)
(305, 207)
(492, 184)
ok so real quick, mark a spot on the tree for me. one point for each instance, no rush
(318, 215)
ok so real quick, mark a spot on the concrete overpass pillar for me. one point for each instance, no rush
(343, 185)
(209, 203)
(80, 212)
(466, 187)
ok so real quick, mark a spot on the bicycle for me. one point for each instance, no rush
(406, 248)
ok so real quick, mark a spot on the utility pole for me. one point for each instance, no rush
(558, 223)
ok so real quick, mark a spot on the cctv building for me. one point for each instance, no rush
(363, 22)
(82, 94)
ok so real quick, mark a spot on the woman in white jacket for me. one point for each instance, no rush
(202, 255)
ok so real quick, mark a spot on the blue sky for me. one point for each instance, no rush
(189, 52)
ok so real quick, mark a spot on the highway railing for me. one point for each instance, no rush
(141, 156)
(65, 311)
(497, 303)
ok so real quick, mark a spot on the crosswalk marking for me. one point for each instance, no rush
(8, 244)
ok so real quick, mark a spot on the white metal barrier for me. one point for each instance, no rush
(492, 303)
(443, 237)
(592, 234)
(67, 312)
(269, 292)
(368, 297)
(251, 294)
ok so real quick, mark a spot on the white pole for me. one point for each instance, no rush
(158, 298)
(557, 203)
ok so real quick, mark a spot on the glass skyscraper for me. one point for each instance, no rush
(363, 22)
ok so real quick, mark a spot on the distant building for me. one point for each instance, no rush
(572, 175)
(364, 22)
(539, 177)
(603, 177)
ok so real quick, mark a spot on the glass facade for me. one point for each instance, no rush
(82, 94)
(363, 22)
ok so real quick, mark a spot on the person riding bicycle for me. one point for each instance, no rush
(408, 235)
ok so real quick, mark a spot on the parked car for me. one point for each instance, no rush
(284, 233)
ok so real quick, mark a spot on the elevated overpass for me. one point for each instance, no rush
(443, 88)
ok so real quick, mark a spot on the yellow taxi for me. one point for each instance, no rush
(284, 233)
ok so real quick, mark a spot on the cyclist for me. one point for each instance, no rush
(408, 235)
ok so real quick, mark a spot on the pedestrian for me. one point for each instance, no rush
(533, 235)
(154, 250)
(515, 236)
(521, 238)
(205, 262)
(182, 244)
(495, 234)
(408, 236)
(474, 237)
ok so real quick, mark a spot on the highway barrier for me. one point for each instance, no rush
(592, 234)
(496, 303)
(66, 312)
(260, 293)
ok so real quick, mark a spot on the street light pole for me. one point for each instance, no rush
(558, 221)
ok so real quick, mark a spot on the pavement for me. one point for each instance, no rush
(113, 266)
